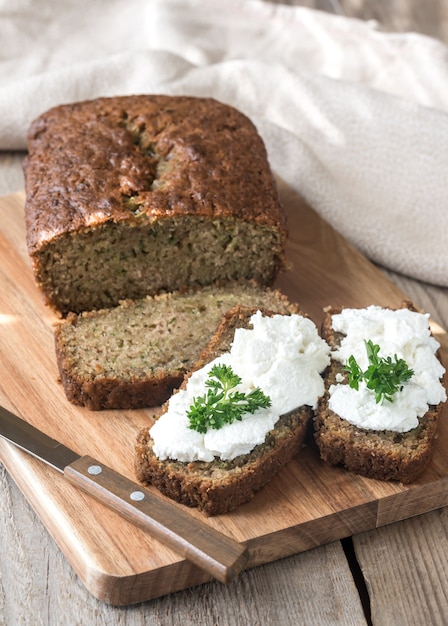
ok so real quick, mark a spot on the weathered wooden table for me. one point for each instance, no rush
(396, 574)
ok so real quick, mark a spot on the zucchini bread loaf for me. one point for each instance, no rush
(135, 195)
(133, 355)
(217, 470)
(357, 427)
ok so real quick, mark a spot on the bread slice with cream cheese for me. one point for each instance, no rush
(220, 486)
(375, 453)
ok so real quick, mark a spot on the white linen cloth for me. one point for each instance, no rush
(354, 119)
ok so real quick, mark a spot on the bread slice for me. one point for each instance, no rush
(384, 455)
(220, 486)
(134, 355)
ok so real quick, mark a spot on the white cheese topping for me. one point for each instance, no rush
(283, 355)
(401, 332)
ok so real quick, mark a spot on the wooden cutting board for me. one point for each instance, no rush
(308, 504)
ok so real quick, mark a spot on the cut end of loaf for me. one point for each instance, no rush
(98, 267)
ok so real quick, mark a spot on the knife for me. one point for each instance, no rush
(218, 555)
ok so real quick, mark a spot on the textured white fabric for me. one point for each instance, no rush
(354, 119)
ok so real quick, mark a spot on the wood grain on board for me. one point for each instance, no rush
(308, 504)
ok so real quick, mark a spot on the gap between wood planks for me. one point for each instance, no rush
(358, 578)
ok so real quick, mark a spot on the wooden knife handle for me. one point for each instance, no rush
(193, 539)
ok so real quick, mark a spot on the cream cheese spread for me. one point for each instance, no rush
(283, 355)
(401, 332)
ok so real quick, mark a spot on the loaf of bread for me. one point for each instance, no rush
(388, 454)
(136, 195)
(133, 355)
(220, 486)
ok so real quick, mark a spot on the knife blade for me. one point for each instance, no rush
(214, 552)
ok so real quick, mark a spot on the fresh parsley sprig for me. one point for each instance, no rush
(384, 376)
(220, 405)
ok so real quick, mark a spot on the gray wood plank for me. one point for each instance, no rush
(405, 566)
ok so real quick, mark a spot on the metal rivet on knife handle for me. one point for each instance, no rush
(193, 539)
(137, 496)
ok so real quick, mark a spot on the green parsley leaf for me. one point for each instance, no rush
(384, 376)
(220, 405)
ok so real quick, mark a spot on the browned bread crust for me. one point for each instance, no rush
(134, 195)
(220, 486)
(134, 355)
(384, 455)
